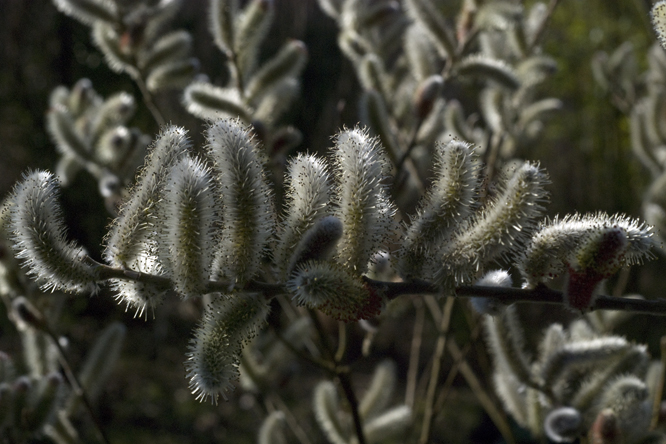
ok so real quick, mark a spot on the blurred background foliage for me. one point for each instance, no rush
(585, 149)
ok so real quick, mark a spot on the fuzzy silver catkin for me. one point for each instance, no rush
(222, 15)
(187, 239)
(308, 193)
(131, 228)
(214, 356)
(39, 237)
(552, 245)
(332, 289)
(246, 199)
(390, 424)
(271, 430)
(379, 391)
(628, 398)
(501, 227)
(449, 201)
(108, 41)
(317, 243)
(287, 63)
(563, 424)
(251, 28)
(326, 407)
(362, 198)
(488, 68)
(173, 46)
(210, 102)
(176, 74)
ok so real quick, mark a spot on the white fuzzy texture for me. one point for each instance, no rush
(141, 296)
(213, 360)
(551, 247)
(222, 15)
(500, 228)
(246, 198)
(106, 38)
(362, 198)
(563, 424)
(133, 225)
(390, 424)
(330, 288)
(88, 11)
(187, 239)
(211, 102)
(449, 201)
(308, 193)
(317, 243)
(628, 397)
(326, 407)
(491, 306)
(39, 237)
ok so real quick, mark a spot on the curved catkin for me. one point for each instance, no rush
(379, 391)
(212, 363)
(173, 46)
(108, 41)
(500, 228)
(550, 250)
(189, 212)
(449, 201)
(287, 63)
(245, 196)
(39, 237)
(210, 102)
(130, 228)
(308, 193)
(222, 14)
(362, 199)
(331, 288)
(251, 29)
(317, 243)
(325, 405)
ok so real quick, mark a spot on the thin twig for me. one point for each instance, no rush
(148, 100)
(438, 356)
(414, 351)
(659, 390)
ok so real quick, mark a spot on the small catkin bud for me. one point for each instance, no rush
(317, 243)
(246, 198)
(210, 102)
(39, 237)
(116, 110)
(362, 198)
(106, 38)
(426, 95)
(330, 288)
(89, 11)
(212, 363)
(605, 429)
(491, 306)
(67, 139)
(80, 99)
(563, 424)
(251, 28)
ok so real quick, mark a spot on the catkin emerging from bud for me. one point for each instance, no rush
(187, 239)
(39, 237)
(212, 364)
(362, 199)
(246, 198)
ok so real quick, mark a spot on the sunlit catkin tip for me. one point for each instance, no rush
(246, 198)
(363, 201)
(214, 356)
(658, 15)
(211, 102)
(332, 289)
(39, 237)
